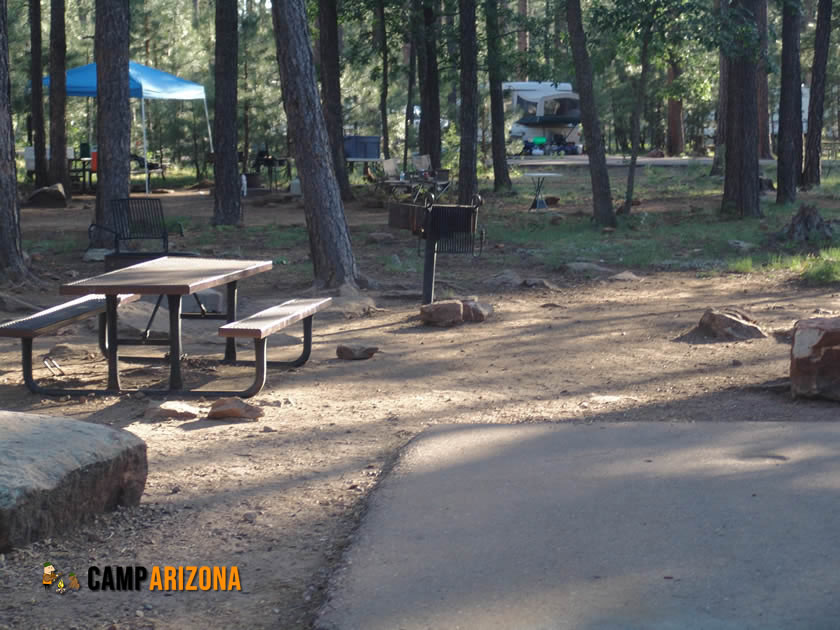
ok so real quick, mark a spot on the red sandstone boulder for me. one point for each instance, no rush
(815, 358)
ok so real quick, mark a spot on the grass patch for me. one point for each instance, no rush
(741, 265)
(65, 245)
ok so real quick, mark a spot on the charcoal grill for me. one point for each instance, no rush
(446, 228)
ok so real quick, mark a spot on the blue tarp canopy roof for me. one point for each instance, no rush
(143, 82)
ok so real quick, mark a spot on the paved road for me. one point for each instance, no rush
(612, 160)
(663, 526)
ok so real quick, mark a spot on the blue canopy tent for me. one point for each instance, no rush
(143, 82)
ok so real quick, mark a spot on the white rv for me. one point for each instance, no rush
(546, 110)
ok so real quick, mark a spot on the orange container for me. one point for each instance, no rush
(94, 161)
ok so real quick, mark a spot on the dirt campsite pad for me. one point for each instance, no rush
(279, 496)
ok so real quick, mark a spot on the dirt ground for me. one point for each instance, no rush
(280, 497)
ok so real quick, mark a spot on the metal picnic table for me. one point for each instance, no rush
(174, 277)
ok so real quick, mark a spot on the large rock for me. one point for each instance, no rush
(446, 313)
(56, 473)
(171, 410)
(48, 197)
(730, 323)
(815, 358)
(504, 279)
(225, 408)
(475, 311)
(355, 352)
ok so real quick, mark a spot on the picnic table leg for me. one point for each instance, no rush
(113, 349)
(175, 380)
(232, 298)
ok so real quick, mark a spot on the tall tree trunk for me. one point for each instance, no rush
(723, 99)
(501, 176)
(675, 144)
(429, 84)
(601, 194)
(635, 126)
(226, 206)
(468, 126)
(789, 168)
(12, 266)
(765, 146)
(522, 39)
(409, 105)
(740, 188)
(36, 70)
(59, 173)
(113, 121)
(383, 92)
(813, 141)
(329, 238)
(331, 91)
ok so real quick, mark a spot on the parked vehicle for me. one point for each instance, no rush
(549, 116)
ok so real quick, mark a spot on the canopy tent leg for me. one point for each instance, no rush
(145, 156)
(207, 118)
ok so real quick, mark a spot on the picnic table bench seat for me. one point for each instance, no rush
(260, 326)
(52, 319)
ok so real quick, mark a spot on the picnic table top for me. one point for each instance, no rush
(169, 275)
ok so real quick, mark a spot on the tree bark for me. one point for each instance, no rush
(226, 206)
(429, 83)
(409, 104)
(813, 140)
(501, 175)
(329, 238)
(522, 39)
(601, 194)
(36, 70)
(331, 91)
(676, 136)
(789, 168)
(765, 146)
(635, 126)
(113, 121)
(58, 172)
(12, 266)
(740, 188)
(383, 92)
(468, 125)
(723, 99)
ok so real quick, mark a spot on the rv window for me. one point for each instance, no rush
(529, 107)
(561, 107)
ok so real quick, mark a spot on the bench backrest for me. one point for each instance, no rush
(139, 218)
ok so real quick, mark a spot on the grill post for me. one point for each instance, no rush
(429, 261)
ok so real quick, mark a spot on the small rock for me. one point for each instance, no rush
(380, 237)
(446, 313)
(583, 267)
(72, 273)
(551, 200)
(557, 219)
(96, 254)
(540, 283)
(36, 257)
(656, 153)
(736, 363)
(175, 489)
(395, 260)
(505, 279)
(355, 353)
(475, 311)
(233, 408)
(148, 606)
(269, 430)
(139, 613)
(607, 230)
(171, 410)
(139, 395)
(250, 517)
(741, 246)
(730, 323)
(626, 276)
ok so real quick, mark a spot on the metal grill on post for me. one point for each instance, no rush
(447, 229)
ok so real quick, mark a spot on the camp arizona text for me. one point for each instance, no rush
(166, 578)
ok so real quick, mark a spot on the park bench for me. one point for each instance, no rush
(136, 219)
(50, 320)
(267, 322)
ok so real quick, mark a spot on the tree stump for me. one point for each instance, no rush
(807, 225)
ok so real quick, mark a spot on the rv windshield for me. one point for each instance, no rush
(526, 106)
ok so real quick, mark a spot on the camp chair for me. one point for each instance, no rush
(390, 179)
(427, 177)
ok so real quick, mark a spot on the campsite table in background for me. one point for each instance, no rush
(81, 167)
(175, 277)
(365, 168)
(539, 179)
